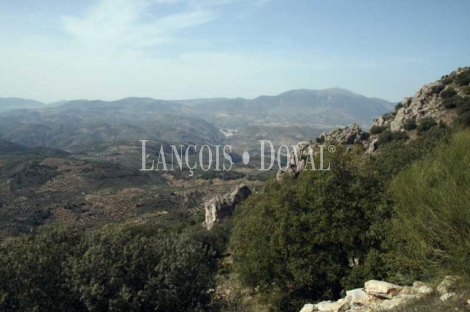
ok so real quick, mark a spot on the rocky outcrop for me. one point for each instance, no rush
(297, 164)
(382, 296)
(384, 120)
(305, 150)
(347, 135)
(425, 103)
(223, 206)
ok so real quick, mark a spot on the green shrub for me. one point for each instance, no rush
(447, 80)
(431, 223)
(389, 136)
(463, 108)
(462, 121)
(426, 123)
(449, 103)
(398, 106)
(365, 136)
(438, 88)
(448, 93)
(298, 236)
(463, 79)
(466, 90)
(397, 155)
(377, 129)
(410, 124)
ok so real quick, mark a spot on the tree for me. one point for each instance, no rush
(300, 236)
(31, 271)
(123, 272)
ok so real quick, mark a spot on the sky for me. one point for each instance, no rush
(54, 50)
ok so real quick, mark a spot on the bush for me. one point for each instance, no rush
(300, 235)
(365, 136)
(466, 90)
(398, 106)
(462, 121)
(410, 124)
(448, 93)
(389, 136)
(426, 123)
(438, 88)
(463, 79)
(377, 129)
(397, 155)
(431, 223)
(463, 108)
(449, 103)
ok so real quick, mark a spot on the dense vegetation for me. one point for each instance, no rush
(432, 218)
(118, 268)
(297, 239)
(400, 215)
(310, 237)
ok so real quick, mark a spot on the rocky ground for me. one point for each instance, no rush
(383, 296)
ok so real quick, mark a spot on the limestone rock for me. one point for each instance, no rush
(397, 301)
(331, 306)
(382, 289)
(446, 284)
(383, 120)
(378, 296)
(448, 296)
(408, 290)
(303, 150)
(347, 135)
(373, 146)
(220, 207)
(425, 290)
(418, 284)
(309, 308)
(358, 296)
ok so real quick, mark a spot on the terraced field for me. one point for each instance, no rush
(91, 189)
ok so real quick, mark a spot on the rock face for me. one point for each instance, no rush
(223, 206)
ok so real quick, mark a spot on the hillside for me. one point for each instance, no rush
(7, 104)
(393, 206)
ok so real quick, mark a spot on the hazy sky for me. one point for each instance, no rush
(172, 49)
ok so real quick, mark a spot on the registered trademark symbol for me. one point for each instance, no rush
(331, 148)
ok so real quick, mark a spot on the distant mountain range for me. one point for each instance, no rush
(293, 115)
(319, 108)
(11, 103)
